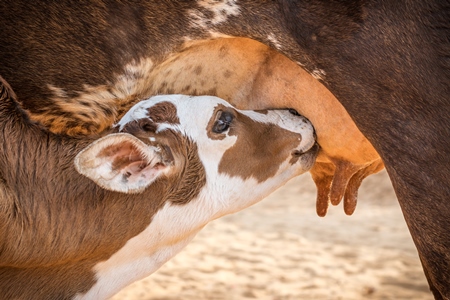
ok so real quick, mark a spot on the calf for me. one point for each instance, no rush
(83, 218)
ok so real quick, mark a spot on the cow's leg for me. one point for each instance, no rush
(437, 295)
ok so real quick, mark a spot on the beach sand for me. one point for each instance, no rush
(280, 249)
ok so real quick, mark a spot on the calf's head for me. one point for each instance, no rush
(198, 158)
(233, 156)
(210, 160)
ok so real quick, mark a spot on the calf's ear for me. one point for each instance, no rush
(121, 162)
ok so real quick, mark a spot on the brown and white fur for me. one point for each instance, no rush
(82, 218)
(387, 62)
(121, 61)
(249, 75)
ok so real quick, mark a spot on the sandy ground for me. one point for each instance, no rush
(279, 249)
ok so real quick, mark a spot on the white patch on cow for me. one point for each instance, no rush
(318, 74)
(273, 40)
(220, 9)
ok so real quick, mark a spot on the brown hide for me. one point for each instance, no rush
(250, 75)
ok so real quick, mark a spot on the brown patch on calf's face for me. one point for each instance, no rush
(164, 112)
(264, 146)
(191, 182)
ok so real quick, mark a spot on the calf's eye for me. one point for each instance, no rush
(221, 126)
(223, 122)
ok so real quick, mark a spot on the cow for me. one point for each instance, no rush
(386, 61)
(347, 157)
(82, 218)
